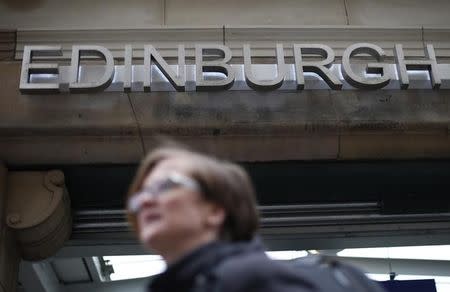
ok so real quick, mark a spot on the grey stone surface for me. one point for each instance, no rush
(69, 127)
(234, 112)
(393, 146)
(339, 38)
(245, 126)
(166, 40)
(399, 12)
(400, 124)
(112, 127)
(440, 38)
(72, 113)
(396, 111)
(84, 14)
(254, 12)
(81, 14)
(257, 148)
(69, 149)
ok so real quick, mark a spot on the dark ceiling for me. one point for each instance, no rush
(398, 186)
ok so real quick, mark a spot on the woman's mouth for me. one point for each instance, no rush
(151, 217)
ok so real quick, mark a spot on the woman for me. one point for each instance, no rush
(200, 214)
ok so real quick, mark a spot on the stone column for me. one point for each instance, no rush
(9, 255)
(35, 219)
(38, 212)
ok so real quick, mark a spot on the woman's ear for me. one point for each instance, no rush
(215, 216)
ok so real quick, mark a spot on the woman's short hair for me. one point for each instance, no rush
(222, 182)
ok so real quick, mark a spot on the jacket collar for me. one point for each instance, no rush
(183, 272)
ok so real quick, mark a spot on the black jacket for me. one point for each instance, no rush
(230, 267)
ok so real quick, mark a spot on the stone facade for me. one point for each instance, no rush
(119, 127)
(140, 14)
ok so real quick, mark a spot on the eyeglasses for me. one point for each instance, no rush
(172, 181)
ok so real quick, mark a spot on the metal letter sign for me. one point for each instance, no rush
(429, 65)
(218, 66)
(321, 68)
(256, 84)
(103, 82)
(359, 81)
(212, 70)
(178, 81)
(28, 68)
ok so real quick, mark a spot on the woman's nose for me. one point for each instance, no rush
(147, 200)
(140, 200)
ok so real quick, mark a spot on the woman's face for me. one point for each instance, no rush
(178, 217)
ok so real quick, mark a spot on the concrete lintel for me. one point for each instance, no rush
(112, 127)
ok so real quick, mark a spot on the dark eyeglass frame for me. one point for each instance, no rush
(172, 181)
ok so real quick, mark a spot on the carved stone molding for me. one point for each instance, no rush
(38, 211)
(262, 39)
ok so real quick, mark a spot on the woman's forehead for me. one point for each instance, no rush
(182, 165)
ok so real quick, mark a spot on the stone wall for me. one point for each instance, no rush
(132, 14)
(251, 126)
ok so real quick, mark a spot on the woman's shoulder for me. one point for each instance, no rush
(254, 262)
(257, 272)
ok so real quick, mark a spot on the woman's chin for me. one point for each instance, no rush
(152, 239)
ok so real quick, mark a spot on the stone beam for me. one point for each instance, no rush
(112, 127)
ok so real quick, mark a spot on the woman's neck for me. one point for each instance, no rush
(177, 250)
